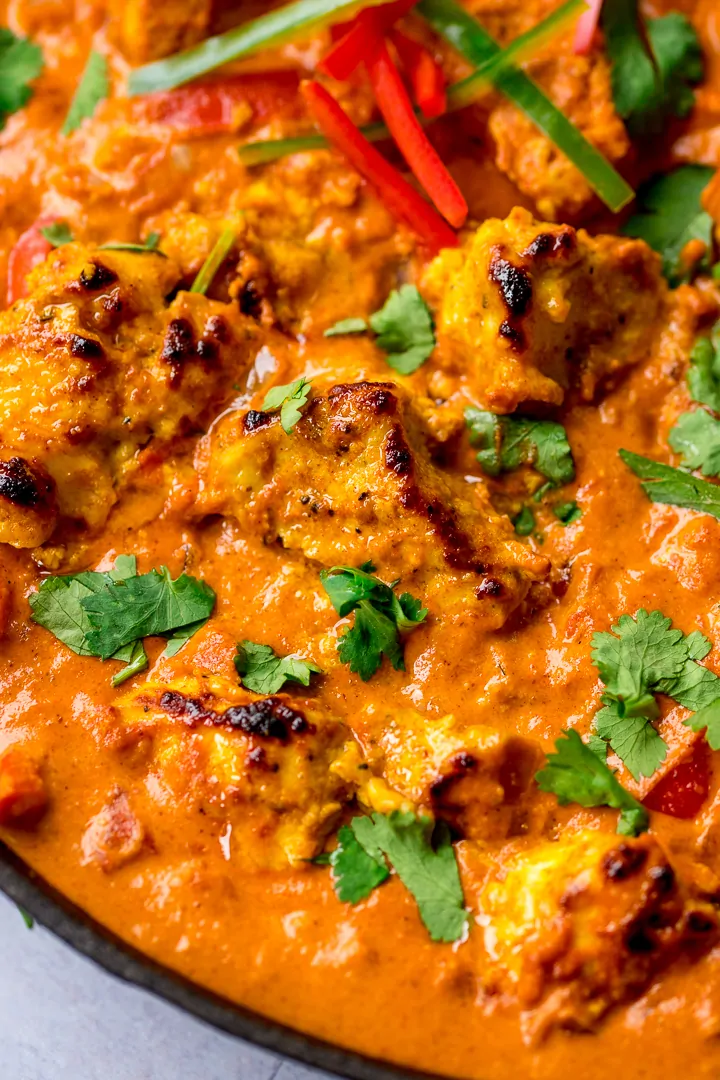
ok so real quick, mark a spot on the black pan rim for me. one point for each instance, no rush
(67, 921)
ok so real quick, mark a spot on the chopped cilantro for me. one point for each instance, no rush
(524, 522)
(21, 61)
(664, 484)
(58, 234)
(380, 618)
(576, 774)
(107, 614)
(347, 326)
(404, 329)
(703, 377)
(93, 87)
(290, 399)
(26, 918)
(507, 442)
(567, 512)
(696, 436)
(655, 64)
(423, 857)
(669, 215)
(264, 672)
(707, 719)
(355, 872)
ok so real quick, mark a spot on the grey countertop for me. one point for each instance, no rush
(62, 1018)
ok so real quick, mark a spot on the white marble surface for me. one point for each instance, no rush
(61, 1018)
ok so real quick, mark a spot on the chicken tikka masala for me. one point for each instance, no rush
(360, 516)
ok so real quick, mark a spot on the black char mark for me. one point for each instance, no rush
(85, 348)
(178, 348)
(516, 292)
(269, 718)
(21, 485)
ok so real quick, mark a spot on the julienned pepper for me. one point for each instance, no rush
(399, 196)
(418, 151)
(347, 54)
(424, 74)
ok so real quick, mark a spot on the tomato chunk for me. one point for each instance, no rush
(30, 250)
(683, 791)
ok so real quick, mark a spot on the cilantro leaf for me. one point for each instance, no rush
(405, 329)
(696, 436)
(177, 639)
(21, 61)
(380, 618)
(135, 659)
(575, 774)
(664, 484)
(567, 512)
(346, 326)
(524, 522)
(423, 857)
(58, 234)
(669, 215)
(644, 651)
(93, 87)
(290, 399)
(655, 63)
(264, 672)
(707, 719)
(635, 741)
(703, 377)
(507, 442)
(355, 872)
(694, 688)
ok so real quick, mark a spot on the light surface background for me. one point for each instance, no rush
(62, 1018)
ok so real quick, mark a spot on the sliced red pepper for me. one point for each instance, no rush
(29, 251)
(399, 196)
(347, 54)
(424, 73)
(586, 27)
(682, 792)
(212, 108)
(418, 151)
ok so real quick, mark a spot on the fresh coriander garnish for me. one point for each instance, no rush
(150, 247)
(576, 774)
(107, 614)
(567, 512)
(642, 657)
(21, 61)
(524, 522)
(708, 719)
(403, 326)
(669, 215)
(208, 270)
(696, 436)
(655, 64)
(421, 854)
(507, 442)
(380, 618)
(290, 399)
(93, 87)
(703, 377)
(264, 672)
(58, 234)
(26, 918)
(664, 484)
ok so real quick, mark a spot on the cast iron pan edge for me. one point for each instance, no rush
(70, 923)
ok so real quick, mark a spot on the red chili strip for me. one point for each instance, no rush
(418, 151)
(586, 27)
(424, 74)
(399, 196)
(347, 54)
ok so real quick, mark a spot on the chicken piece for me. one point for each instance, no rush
(114, 836)
(95, 364)
(356, 482)
(150, 29)
(475, 778)
(265, 764)
(579, 925)
(527, 308)
(23, 797)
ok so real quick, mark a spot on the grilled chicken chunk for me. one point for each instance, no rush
(356, 481)
(577, 926)
(270, 766)
(150, 29)
(526, 309)
(95, 364)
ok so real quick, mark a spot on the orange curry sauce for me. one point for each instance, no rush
(142, 826)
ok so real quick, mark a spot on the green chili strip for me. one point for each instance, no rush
(289, 23)
(259, 153)
(214, 261)
(476, 45)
